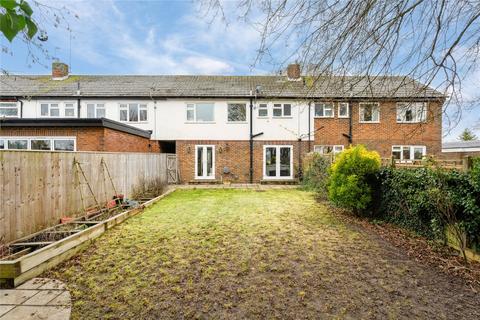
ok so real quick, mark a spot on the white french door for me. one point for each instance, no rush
(204, 162)
(277, 162)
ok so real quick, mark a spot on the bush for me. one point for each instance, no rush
(407, 199)
(351, 178)
(315, 174)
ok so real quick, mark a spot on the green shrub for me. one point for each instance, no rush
(406, 200)
(352, 176)
(315, 173)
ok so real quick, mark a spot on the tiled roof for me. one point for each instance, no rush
(461, 144)
(213, 86)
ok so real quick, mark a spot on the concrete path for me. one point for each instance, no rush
(38, 298)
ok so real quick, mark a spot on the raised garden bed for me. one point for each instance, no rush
(28, 257)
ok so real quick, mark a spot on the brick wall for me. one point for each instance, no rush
(232, 154)
(91, 139)
(381, 136)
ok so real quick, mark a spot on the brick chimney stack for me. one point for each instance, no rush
(293, 71)
(59, 71)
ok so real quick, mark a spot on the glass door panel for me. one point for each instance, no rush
(285, 165)
(271, 162)
(205, 162)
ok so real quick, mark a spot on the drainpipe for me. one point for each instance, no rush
(251, 137)
(350, 109)
(309, 126)
(78, 108)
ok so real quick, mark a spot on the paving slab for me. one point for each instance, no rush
(13, 296)
(39, 298)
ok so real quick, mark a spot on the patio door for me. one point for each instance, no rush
(277, 162)
(204, 162)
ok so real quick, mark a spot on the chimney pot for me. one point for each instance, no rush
(293, 71)
(59, 71)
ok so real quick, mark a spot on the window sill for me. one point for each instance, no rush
(237, 122)
(318, 117)
(287, 117)
(133, 122)
(200, 122)
(343, 117)
(263, 117)
(411, 122)
(367, 122)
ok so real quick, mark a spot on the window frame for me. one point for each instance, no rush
(3, 107)
(412, 152)
(348, 110)
(61, 109)
(237, 121)
(361, 104)
(212, 177)
(424, 113)
(278, 162)
(29, 139)
(334, 146)
(323, 104)
(262, 108)
(282, 109)
(194, 108)
(141, 106)
(96, 108)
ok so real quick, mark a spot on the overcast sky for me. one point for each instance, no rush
(155, 37)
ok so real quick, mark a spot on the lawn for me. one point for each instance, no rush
(249, 254)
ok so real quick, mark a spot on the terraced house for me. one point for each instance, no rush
(223, 128)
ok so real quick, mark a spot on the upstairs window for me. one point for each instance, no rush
(9, 110)
(237, 112)
(58, 110)
(200, 112)
(95, 110)
(328, 149)
(263, 110)
(343, 110)
(133, 112)
(369, 112)
(414, 112)
(408, 153)
(282, 110)
(324, 110)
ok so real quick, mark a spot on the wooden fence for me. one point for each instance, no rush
(38, 188)
(462, 164)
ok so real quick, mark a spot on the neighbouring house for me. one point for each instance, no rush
(73, 134)
(234, 128)
(461, 149)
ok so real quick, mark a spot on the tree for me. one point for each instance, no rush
(435, 42)
(467, 135)
(15, 17)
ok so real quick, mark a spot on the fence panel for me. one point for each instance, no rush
(38, 188)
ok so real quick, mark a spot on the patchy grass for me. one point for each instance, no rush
(247, 254)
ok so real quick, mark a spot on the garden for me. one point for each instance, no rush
(256, 254)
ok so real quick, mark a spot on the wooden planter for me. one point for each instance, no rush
(17, 271)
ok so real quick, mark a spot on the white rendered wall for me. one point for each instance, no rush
(167, 119)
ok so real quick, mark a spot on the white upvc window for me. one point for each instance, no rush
(411, 112)
(277, 162)
(343, 110)
(282, 110)
(96, 110)
(328, 149)
(58, 109)
(200, 112)
(236, 112)
(369, 112)
(262, 110)
(38, 143)
(324, 110)
(133, 112)
(9, 110)
(408, 153)
(204, 162)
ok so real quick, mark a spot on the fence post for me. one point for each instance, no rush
(467, 163)
(392, 162)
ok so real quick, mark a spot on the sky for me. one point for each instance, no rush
(154, 37)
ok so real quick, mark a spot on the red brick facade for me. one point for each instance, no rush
(381, 136)
(91, 139)
(232, 154)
